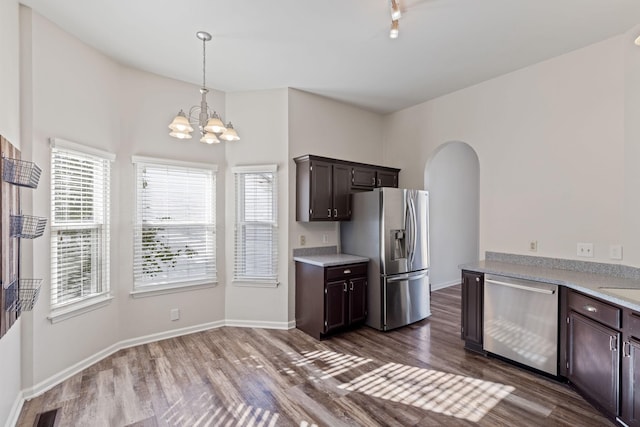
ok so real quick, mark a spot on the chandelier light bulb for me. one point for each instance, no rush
(214, 124)
(230, 134)
(180, 123)
(209, 138)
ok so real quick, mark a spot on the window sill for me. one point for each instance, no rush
(247, 283)
(151, 291)
(77, 309)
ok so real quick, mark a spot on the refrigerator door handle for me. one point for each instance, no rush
(414, 228)
(408, 230)
(408, 276)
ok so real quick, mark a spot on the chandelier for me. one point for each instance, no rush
(211, 127)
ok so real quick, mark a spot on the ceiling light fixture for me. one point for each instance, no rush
(201, 116)
(394, 30)
(395, 10)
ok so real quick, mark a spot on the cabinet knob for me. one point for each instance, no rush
(613, 343)
(626, 349)
(329, 213)
(373, 181)
(477, 279)
(345, 286)
(347, 271)
(351, 287)
(379, 182)
(335, 213)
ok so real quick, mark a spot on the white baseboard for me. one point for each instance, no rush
(260, 324)
(437, 286)
(43, 386)
(14, 414)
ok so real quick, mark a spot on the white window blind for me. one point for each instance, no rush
(80, 196)
(256, 228)
(175, 236)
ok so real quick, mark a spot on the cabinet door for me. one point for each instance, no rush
(631, 377)
(363, 177)
(357, 300)
(472, 294)
(594, 364)
(335, 305)
(387, 179)
(321, 191)
(341, 192)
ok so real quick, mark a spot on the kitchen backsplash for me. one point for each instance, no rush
(320, 250)
(615, 270)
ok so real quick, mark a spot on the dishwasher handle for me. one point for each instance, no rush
(522, 287)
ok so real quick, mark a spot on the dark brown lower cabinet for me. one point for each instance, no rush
(329, 299)
(594, 361)
(630, 397)
(472, 309)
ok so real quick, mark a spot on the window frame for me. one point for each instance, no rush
(139, 288)
(100, 250)
(239, 222)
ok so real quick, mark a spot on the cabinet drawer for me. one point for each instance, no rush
(345, 271)
(594, 309)
(632, 324)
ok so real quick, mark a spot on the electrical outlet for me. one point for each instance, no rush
(175, 314)
(303, 240)
(585, 250)
(325, 238)
(615, 251)
(533, 246)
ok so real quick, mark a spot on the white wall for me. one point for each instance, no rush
(81, 95)
(550, 140)
(324, 127)
(452, 177)
(631, 229)
(147, 104)
(260, 118)
(10, 343)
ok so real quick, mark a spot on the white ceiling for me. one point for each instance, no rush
(340, 48)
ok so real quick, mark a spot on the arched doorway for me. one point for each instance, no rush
(452, 176)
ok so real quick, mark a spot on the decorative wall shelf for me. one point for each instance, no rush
(20, 172)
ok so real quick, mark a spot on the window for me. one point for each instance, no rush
(79, 223)
(256, 228)
(175, 236)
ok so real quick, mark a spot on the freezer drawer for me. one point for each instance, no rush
(406, 299)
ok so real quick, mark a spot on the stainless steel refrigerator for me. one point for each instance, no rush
(390, 226)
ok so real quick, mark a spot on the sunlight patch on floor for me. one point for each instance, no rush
(204, 413)
(449, 394)
(330, 363)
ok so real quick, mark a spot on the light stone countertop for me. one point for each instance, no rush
(330, 260)
(587, 283)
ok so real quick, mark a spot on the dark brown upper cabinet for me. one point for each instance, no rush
(324, 186)
(368, 178)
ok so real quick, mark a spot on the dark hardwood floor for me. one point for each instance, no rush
(419, 375)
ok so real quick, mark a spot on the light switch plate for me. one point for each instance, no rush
(615, 251)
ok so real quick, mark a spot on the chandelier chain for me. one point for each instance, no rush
(204, 63)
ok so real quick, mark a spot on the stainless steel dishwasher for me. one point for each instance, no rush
(521, 321)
